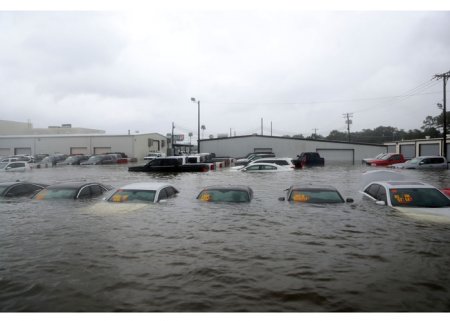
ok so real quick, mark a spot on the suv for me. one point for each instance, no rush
(309, 159)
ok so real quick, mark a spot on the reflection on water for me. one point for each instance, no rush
(185, 255)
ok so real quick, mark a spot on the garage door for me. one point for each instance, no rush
(102, 150)
(391, 149)
(22, 151)
(448, 152)
(4, 151)
(337, 156)
(78, 150)
(429, 150)
(408, 151)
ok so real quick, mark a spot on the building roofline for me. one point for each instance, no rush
(293, 138)
(77, 135)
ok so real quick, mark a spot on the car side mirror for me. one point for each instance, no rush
(349, 200)
(421, 163)
(380, 203)
(281, 198)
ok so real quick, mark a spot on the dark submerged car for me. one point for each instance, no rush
(100, 160)
(20, 189)
(234, 194)
(314, 195)
(72, 191)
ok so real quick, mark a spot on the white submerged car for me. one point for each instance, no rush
(417, 199)
(14, 166)
(266, 168)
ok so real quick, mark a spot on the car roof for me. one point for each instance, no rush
(72, 185)
(146, 186)
(260, 160)
(270, 164)
(402, 184)
(313, 187)
(18, 183)
(229, 187)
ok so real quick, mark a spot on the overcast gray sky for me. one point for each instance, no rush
(300, 70)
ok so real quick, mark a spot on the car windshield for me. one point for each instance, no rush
(133, 196)
(315, 196)
(3, 165)
(386, 157)
(95, 158)
(56, 193)
(414, 160)
(224, 195)
(418, 197)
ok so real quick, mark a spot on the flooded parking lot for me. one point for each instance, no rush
(184, 255)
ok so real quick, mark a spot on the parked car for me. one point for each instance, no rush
(282, 161)
(100, 160)
(314, 194)
(307, 159)
(51, 160)
(253, 157)
(75, 191)
(20, 189)
(265, 168)
(234, 194)
(410, 197)
(388, 159)
(170, 164)
(14, 166)
(74, 160)
(143, 193)
(423, 162)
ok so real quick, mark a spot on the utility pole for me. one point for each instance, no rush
(262, 129)
(271, 128)
(172, 138)
(348, 122)
(315, 132)
(444, 77)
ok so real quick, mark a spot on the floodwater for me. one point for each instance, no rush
(184, 255)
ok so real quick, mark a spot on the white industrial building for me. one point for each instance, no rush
(419, 147)
(332, 151)
(137, 146)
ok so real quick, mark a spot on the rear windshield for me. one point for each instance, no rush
(224, 196)
(418, 197)
(133, 196)
(315, 196)
(57, 193)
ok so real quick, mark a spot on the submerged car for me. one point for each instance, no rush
(143, 192)
(100, 160)
(407, 196)
(20, 189)
(14, 166)
(314, 194)
(423, 162)
(74, 160)
(266, 168)
(232, 193)
(75, 191)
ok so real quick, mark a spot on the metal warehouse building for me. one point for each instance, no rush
(332, 151)
(137, 145)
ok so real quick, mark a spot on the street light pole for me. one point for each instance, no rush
(198, 130)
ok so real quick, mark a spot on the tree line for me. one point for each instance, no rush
(431, 127)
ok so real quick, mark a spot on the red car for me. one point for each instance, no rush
(388, 159)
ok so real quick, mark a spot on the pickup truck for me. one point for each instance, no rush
(386, 160)
(169, 164)
(308, 159)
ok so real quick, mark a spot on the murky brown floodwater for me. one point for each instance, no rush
(189, 256)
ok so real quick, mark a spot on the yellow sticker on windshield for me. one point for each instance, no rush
(301, 198)
(119, 198)
(205, 197)
(403, 199)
